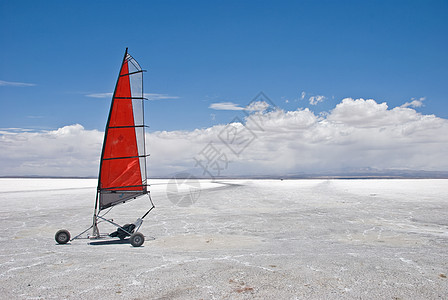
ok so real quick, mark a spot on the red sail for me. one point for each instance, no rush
(122, 167)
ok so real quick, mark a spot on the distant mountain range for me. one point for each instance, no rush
(367, 173)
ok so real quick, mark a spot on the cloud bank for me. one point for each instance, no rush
(68, 151)
(356, 134)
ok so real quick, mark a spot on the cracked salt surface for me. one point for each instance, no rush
(242, 239)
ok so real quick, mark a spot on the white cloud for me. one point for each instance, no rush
(67, 151)
(415, 103)
(152, 96)
(255, 106)
(225, 106)
(100, 95)
(302, 95)
(368, 113)
(316, 99)
(357, 133)
(18, 84)
(259, 106)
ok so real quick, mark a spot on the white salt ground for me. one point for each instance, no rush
(241, 239)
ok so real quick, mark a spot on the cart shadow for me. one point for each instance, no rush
(117, 242)
(110, 242)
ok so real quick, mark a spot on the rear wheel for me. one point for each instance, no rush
(62, 236)
(137, 239)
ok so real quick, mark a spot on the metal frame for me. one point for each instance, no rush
(96, 233)
(97, 219)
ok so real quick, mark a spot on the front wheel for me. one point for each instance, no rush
(137, 239)
(62, 236)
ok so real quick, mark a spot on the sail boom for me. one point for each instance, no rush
(122, 187)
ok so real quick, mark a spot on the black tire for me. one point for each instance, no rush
(137, 239)
(62, 236)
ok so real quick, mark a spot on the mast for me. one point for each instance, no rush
(96, 232)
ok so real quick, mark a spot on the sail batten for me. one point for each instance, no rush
(136, 126)
(126, 157)
(122, 173)
(139, 71)
(137, 98)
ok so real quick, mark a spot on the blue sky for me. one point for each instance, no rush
(204, 52)
(200, 54)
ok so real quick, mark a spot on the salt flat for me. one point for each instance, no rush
(241, 239)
